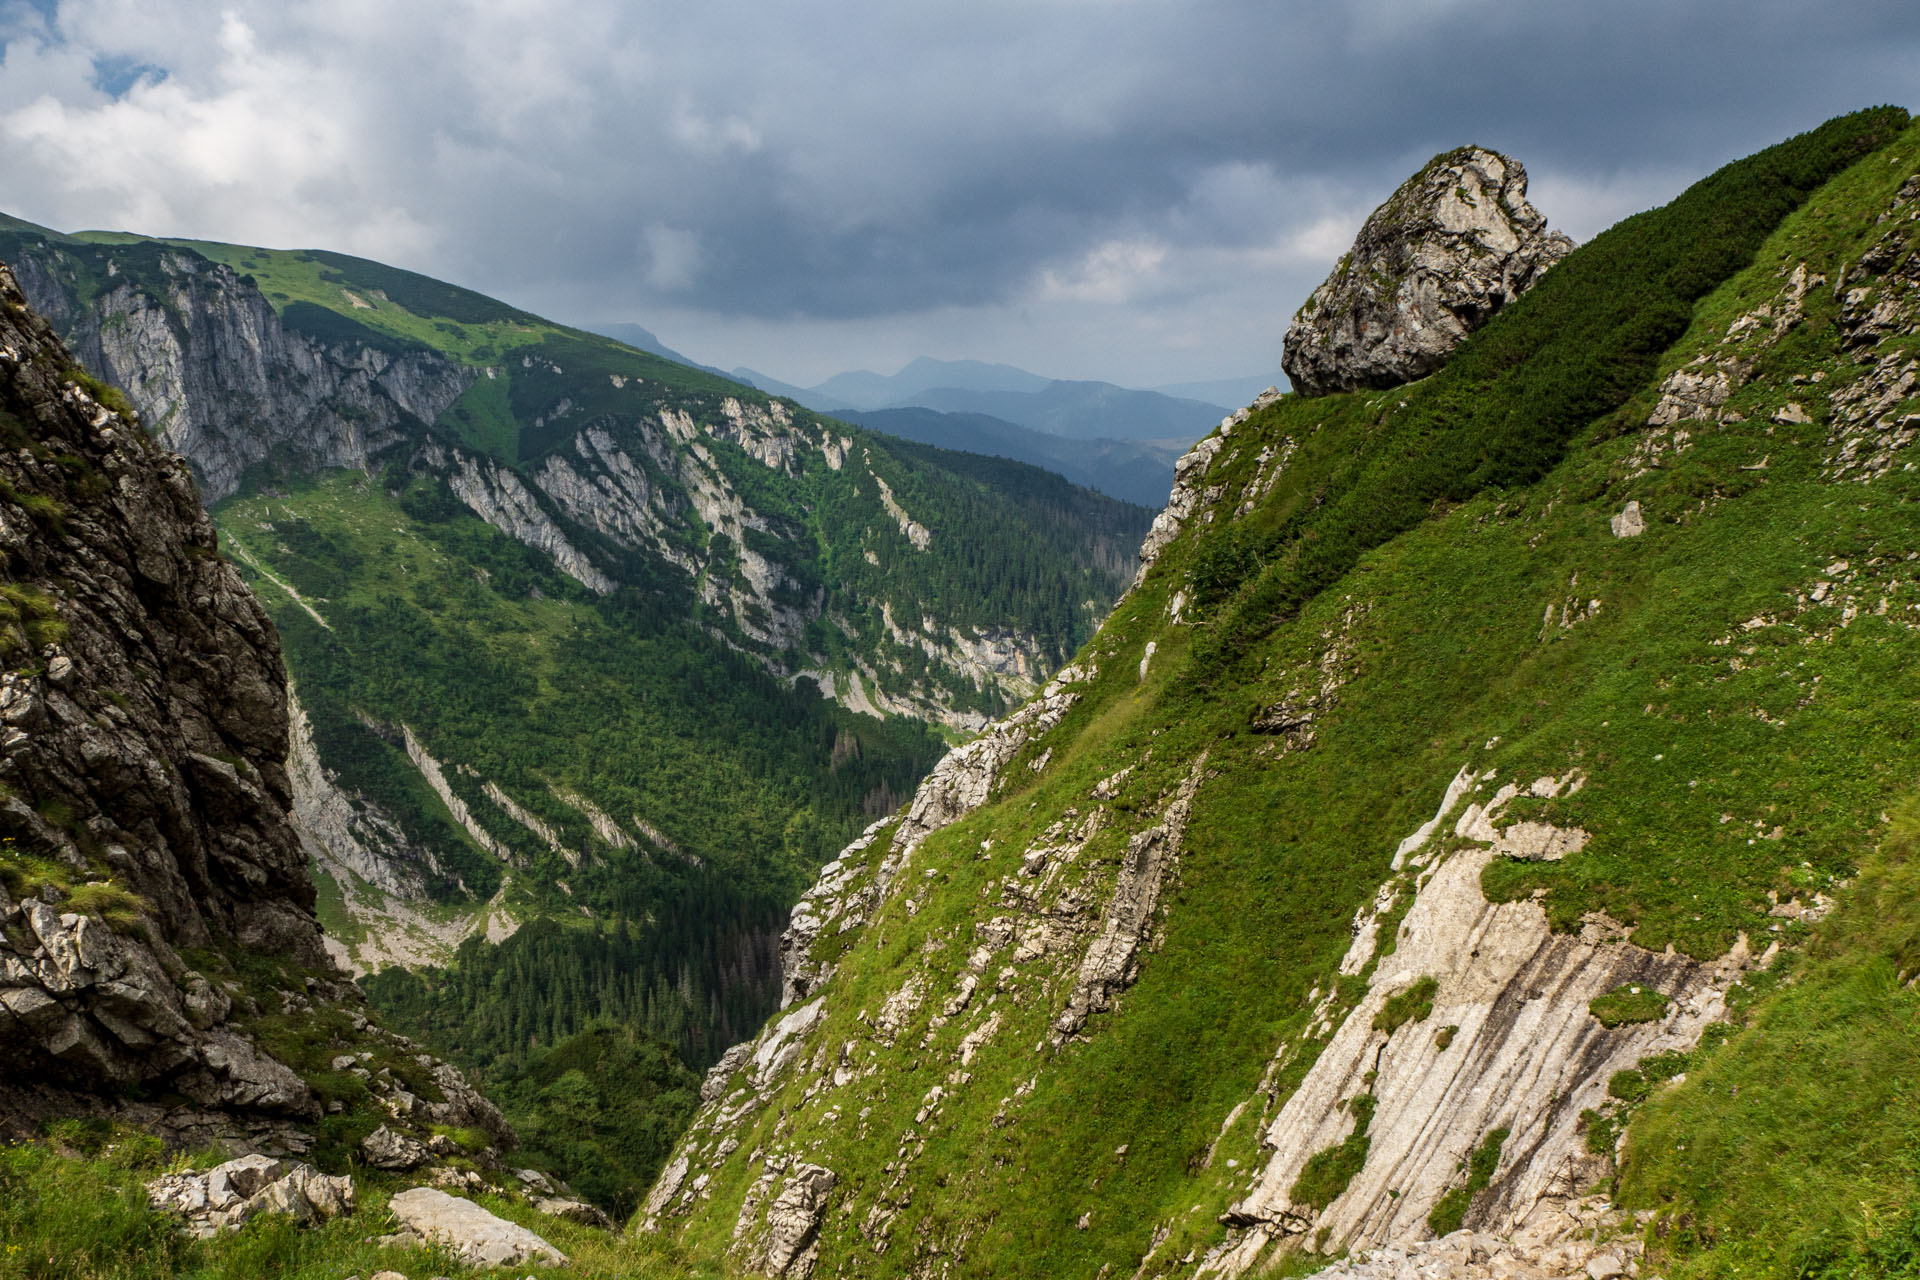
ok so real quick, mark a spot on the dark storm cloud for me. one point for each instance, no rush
(763, 163)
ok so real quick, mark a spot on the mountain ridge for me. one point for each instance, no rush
(1296, 915)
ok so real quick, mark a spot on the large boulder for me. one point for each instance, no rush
(477, 1237)
(1457, 242)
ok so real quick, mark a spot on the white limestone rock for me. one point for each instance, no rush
(477, 1237)
(221, 1198)
(385, 1148)
(1630, 523)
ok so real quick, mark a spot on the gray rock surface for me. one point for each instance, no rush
(226, 383)
(221, 1198)
(386, 1149)
(1630, 523)
(149, 764)
(1457, 242)
(479, 1238)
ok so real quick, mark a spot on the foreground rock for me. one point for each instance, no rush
(1457, 242)
(479, 1238)
(223, 1197)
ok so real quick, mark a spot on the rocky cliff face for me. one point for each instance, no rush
(223, 381)
(145, 841)
(1457, 242)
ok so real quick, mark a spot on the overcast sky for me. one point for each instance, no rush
(1140, 191)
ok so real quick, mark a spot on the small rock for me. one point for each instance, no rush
(1604, 1266)
(60, 669)
(388, 1275)
(1630, 523)
(386, 1149)
(1792, 415)
(221, 1198)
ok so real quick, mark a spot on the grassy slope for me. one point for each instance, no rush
(1447, 663)
(1793, 1149)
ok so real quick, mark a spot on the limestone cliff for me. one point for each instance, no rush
(1456, 243)
(222, 379)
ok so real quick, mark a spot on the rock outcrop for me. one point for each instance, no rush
(1456, 243)
(476, 1237)
(145, 799)
(225, 1196)
(144, 758)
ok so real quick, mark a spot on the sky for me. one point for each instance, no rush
(1137, 191)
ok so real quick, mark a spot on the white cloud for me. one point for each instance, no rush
(1111, 272)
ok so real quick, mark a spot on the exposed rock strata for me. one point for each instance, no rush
(1525, 1054)
(1456, 243)
(225, 383)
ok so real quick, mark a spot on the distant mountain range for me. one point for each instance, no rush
(1117, 440)
(1136, 470)
(1075, 410)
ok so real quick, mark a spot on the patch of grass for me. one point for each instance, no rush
(121, 908)
(1790, 1148)
(1414, 1004)
(1327, 1173)
(106, 394)
(1450, 1211)
(1629, 1004)
(74, 1208)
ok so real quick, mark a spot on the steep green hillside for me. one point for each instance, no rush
(1201, 983)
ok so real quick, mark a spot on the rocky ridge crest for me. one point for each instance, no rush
(1456, 243)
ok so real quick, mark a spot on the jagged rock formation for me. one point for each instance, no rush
(1457, 242)
(225, 383)
(144, 793)
(145, 753)
(224, 1197)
